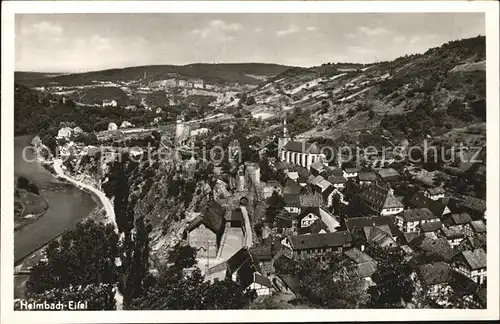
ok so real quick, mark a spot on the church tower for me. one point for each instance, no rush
(283, 140)
(179, 129)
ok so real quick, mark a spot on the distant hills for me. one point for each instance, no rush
(241, 73)
(414, 95)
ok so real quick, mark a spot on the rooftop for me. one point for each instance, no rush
(337, 179)
(380, 196)
(452, 232)
(388, 173)
(302, 147)
(358, 223)
(420, 201)
(367, 176)
(479, 226)
(430, 226)
(310, 200)
(351, 170)
(418, 214)
(314, 241)
(460, 219)
(436, 191)
(476, 259)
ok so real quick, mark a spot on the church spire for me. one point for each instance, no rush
(285, 130)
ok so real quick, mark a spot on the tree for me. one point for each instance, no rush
(124, 220)
(371, 114)
(84, 255)
(177, 291)
(324, 106)
(326, 287)
(250, 101)
(183, 256)
(136, 262)
(394, 286)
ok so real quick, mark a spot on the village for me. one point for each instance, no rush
(443, 232)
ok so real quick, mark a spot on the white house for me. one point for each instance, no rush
(472, 264)
(435, 193)
(380, 200)
(109, 103)
(112, 127)
(410, 219)
(261, 284)
(308, 219)
(350, 173)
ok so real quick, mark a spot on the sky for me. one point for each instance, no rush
(86, 42)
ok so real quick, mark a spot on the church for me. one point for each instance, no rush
(298, 152)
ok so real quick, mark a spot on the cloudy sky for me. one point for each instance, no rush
(83, 42)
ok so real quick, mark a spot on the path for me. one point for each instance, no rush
(108, 206)
(248, 228)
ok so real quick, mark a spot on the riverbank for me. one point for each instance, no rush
(104, 200)
(67, 205)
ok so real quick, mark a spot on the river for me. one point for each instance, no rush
(66, 207)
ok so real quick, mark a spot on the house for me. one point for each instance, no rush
(410, 219)
(109, 103)
(309, 200)
(477, 227)
(291, 187)
(301, 153)
(430, 228)
(472, 264)
(308, 216)
(366, 178)
(460, 220)
(349, 173)
(379, 235)
(388, 175)
(365, 265)
(322, 185)
(380, 200)
(438, 208)
(434, 280)
(264, 253)
(286, 224)
(205, 231)
(244, 269)
(337, 181)
(317, 168)
(435, 193)
(453, 234)
(292, 203)
(317, 227)
(317, 245)
(112, 127)
(357, 224)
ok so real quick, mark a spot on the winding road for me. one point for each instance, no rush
(108, 206)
